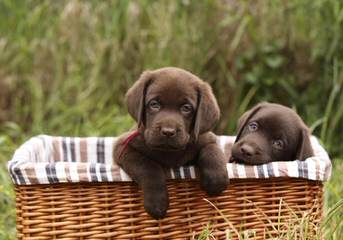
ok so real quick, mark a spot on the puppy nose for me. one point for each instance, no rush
(168, 132)
(247, 150)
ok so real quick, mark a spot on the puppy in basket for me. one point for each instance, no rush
(271, 132)
(175, 112)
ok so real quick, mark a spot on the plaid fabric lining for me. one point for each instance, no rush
(46, 159)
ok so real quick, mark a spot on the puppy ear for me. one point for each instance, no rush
(207, 114)
(304, 147)
(244, 119)
(135, 97)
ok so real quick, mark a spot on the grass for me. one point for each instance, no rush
(297, 227)
(66, 65)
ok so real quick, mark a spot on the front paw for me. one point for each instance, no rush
(214, 183)
(156, 204)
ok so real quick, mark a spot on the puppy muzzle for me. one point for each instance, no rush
(167, 139)
(248, 153)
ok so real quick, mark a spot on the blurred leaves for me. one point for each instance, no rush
(72, 61)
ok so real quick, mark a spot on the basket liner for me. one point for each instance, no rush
(48, 159)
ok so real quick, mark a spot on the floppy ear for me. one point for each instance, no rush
(207, 114)
(135, 97)
(304, 148)
(244, 119)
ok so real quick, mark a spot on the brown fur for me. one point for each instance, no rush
(175, 112)
(274, 123)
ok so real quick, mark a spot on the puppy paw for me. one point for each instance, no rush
(214, 184)
(156, 204)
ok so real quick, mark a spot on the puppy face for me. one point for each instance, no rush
(172, 107)
(271, 132)
(169, 112)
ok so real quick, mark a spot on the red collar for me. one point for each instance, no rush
(127, 140)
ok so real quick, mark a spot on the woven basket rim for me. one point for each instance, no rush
(35, 162)
(196, 180)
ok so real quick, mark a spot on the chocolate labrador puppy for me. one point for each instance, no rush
(271, 132)
(175, 112)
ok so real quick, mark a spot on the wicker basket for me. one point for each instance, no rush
(112, 209)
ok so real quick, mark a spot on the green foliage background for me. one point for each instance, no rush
(66, 65)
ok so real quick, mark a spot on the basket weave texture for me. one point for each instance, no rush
(261, 208)
(70, 188)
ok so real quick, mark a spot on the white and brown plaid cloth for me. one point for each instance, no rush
(46, 159)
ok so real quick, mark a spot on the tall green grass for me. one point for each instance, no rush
(66, 65)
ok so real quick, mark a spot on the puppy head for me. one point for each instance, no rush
(271, 132)
(172, 107)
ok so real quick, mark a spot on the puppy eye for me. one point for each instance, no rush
(253, 126)
(186, 108)
(154, 105)
(278, 144)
